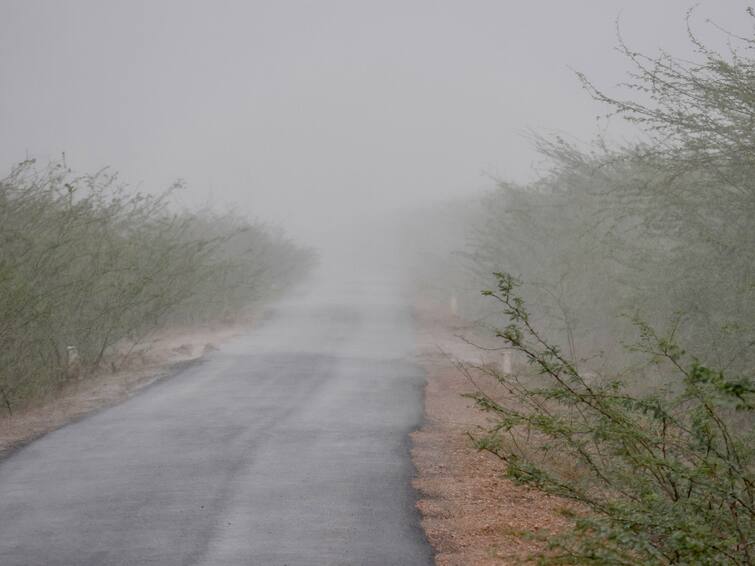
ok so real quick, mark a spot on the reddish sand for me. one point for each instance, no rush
(472, 515)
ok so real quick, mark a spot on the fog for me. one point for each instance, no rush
(313, 114)
(249, 249)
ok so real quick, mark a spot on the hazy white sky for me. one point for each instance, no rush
(306, 112)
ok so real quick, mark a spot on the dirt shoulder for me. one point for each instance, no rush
(471, 514)
(161, 355)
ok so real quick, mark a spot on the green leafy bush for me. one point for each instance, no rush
(85, 264)
(666, 477)
(656, 443)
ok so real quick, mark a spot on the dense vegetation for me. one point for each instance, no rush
(86, 265)
(612, 245)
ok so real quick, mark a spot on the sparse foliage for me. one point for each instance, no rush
(85, 264)
(658, 438)
(667, 477)
(663, 226)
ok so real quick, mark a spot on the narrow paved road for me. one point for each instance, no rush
(288, 447)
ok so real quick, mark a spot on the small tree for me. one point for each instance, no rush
(664, 225)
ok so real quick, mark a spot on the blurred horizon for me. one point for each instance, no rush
(309, 114)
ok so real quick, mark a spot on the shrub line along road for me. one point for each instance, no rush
(288, 447)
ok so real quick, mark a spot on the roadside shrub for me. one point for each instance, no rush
(654, 440)
(85, 264)
(667, 477)
(664, 225)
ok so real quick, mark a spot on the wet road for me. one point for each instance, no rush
(287, 447)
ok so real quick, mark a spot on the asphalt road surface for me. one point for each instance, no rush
(288, 447)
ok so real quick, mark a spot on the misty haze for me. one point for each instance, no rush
(385, 283)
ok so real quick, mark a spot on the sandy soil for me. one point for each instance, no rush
(159, 356)
(471, 514)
